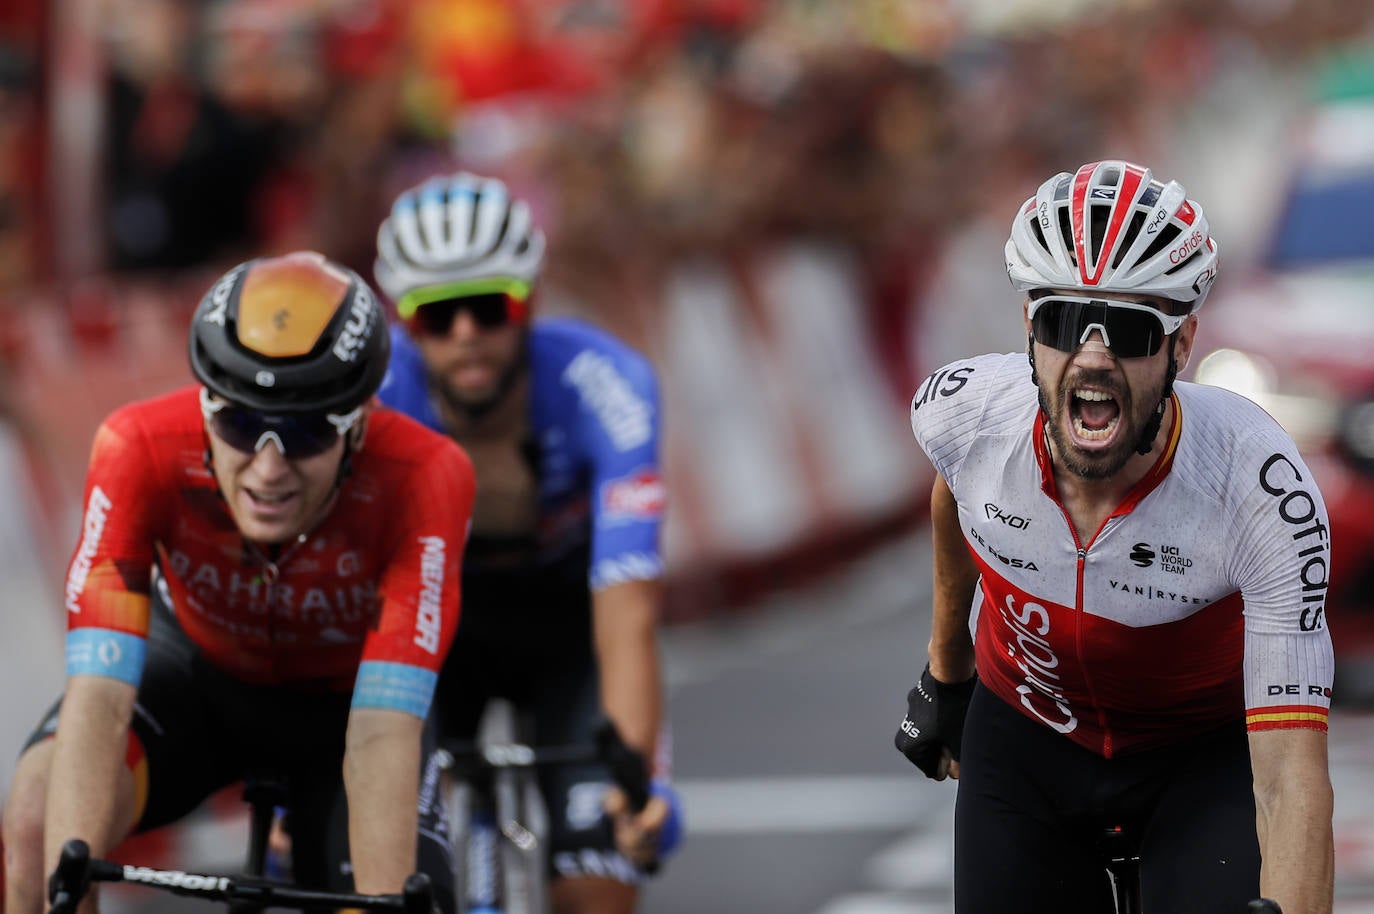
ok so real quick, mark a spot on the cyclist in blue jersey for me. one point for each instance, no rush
(561, 577)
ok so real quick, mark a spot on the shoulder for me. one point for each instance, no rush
(966, 387)
(585, 377)
(1227, 425)
(167, 422)
(405, 373)
(1230, 444)
(395, 439)
(582, 354)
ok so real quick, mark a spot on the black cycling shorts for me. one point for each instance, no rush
(202, 730)
(552, 681)
(1033, 808)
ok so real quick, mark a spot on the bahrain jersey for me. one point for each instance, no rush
(367, 599)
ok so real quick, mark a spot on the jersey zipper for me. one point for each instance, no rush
(270, 572)
(1081, 552)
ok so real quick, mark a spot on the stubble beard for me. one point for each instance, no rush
(1095, 465)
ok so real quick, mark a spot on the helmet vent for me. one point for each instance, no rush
(1039, 235)
(1132, 232)
(1097, 230)
(1167, 235)
(1066, 232)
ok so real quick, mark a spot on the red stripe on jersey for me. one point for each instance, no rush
(1286, 717)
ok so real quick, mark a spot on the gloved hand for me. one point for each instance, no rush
(934, 723)
(1263, 906)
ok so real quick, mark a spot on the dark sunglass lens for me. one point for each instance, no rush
(489, 310)
(237, 428)
(300, 436)
(435, 317)
(1061, 324)
(1134, 334)
(1057, 324)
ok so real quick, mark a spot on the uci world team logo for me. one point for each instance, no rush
(1142, 555)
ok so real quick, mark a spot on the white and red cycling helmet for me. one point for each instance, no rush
(1110, 227)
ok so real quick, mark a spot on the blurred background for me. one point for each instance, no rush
(796, 208)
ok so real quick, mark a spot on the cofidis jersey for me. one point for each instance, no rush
(1200, 599)
(367, 600)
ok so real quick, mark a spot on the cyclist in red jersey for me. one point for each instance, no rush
(266, 579)
(1143, 564)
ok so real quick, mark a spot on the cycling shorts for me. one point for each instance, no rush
(1033, 809)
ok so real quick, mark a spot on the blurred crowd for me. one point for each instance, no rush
(648, 134)
(646, 129)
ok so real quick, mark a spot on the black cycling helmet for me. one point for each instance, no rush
(296, 333)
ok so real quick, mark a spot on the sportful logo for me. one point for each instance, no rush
(623, 413)
(97, 510)
(429, 614)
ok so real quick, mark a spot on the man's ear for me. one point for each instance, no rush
(1183, 349)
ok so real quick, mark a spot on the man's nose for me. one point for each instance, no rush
(463, 326)
(1094, 347)
(270, 461)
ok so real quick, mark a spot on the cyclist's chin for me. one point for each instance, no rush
(1094, 455)
(269, 527)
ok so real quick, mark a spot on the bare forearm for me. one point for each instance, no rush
(1297, 849)
(85, 799)
(955, 577)
(626, 618)
(1294, 805)
(382, 780)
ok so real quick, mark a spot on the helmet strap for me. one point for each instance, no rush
(1151, 429)
(1030, 357)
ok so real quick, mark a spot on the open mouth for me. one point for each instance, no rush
(1094, 417)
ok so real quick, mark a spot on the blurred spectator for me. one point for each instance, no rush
(19, 128)
(181, 165)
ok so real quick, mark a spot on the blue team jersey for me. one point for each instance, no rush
(594, 419)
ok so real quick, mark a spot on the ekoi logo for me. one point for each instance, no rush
(1028, 646)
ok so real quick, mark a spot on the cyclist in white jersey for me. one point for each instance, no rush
(1136, 569)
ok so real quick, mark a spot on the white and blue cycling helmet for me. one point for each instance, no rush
(455, 229)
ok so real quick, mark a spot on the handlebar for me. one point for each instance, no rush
(626, 766)
(76, 870)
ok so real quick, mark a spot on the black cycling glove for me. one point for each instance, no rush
(934, 720)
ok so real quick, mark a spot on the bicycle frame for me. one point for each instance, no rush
(500, 823)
